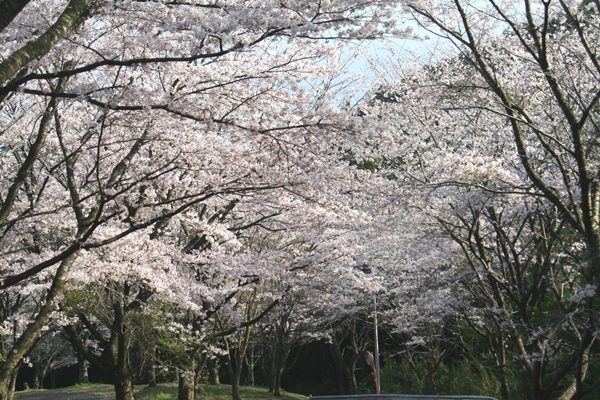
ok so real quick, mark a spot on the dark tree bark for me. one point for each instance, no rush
(82, 370)
(186, 385)
(122, 369)
(213, 371)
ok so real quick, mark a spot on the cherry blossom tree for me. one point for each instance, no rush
(118, 117)
(552, 110)
(495, 142)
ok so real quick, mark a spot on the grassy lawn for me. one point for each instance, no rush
(162, 391)
(213, 392)
(87, 391)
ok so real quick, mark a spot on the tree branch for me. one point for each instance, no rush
(43, 44)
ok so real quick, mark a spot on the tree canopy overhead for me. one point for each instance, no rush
(189, 163)
(135, 125)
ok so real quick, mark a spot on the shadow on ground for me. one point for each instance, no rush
(95, 392)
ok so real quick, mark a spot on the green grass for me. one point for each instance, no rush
(100, 389)
(169, 391)
(157, 392)
(91, 387)
(213, 392)
(96, 388)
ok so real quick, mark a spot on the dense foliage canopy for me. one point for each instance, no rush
(183, 183)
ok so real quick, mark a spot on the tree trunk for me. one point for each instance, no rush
(279, 356)
(250, 363)
(352, 376)
(271, 382)
(235, 383)
(573, 392)
(152, 382)
(213, 371)
(501, 367)
(277, 369)
(235, 371)
(431, 382)
(199, 374)
(277, 389)
(268, 367)
(186, 385)
(82, 367)
(339, 369)
(39, 375)
(13, 383)
(122, 369)
(31, 333)
(37, 378)
(123, 388)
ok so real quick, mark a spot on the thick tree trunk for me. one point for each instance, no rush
(186, 385)
(82, 370)
(277, 389)
(12, 384)
(339, 369)
(432, 386)
(235, 373)
(235, 383)
(268, 367)
(37, 380)
(122, 370)
(123, 388)
(33, 330)
(280, 357)
(277, 370)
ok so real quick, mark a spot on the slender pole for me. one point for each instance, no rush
(377, 376)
